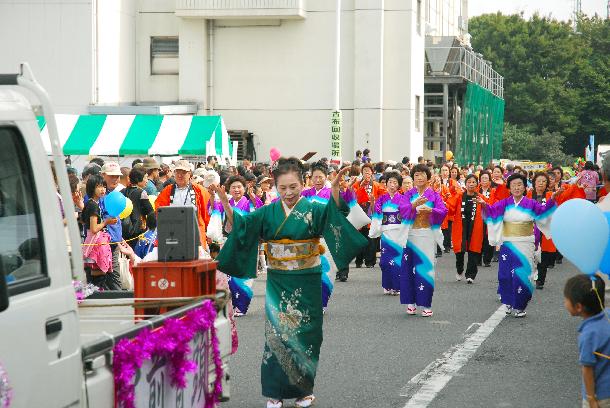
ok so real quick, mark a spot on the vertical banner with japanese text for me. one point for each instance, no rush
(335, 137)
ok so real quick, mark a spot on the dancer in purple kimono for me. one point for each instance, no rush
(510, 223)
(387, 224)
(422, 212)
(321, 193)
(241, 289)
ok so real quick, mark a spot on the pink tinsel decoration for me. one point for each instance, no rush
(6, 392)
(172, 342)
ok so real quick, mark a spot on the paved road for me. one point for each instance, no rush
(372, 349)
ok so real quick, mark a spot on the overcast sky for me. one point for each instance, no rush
(560, 9)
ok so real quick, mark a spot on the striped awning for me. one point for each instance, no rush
(140, 135)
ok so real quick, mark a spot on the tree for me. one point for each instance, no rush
(521, 143)
(555, 79)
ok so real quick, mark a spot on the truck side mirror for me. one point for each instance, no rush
(3, 293)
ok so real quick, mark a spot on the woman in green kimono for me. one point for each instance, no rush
(291, 228)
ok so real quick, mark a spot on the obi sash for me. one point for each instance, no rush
(288, 254)
(518, 229)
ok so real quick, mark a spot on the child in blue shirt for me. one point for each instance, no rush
(147, 242)
(584, 297)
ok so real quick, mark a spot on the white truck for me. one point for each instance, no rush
(51, 353)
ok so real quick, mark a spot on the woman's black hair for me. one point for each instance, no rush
(92, 182)
(319, 166)
(74, 181)
(136, 175)
(97, 160)
(380, 167)
(288, 165)
(588, 165)
(540, 174)
(483, 173)
(224, 176)
(469, 176)
(560, 170)
(393, 174)
(366, 152)
(579, 289)
(421, 168)
(516, 176)
(91, 169)
(235, 179)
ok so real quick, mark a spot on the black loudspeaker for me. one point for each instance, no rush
(178, 234)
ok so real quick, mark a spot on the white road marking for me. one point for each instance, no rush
(432, 379)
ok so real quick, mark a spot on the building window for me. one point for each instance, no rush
(164, 55)
(417, 113)
(419, 17)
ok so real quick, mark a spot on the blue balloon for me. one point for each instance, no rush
(604, 265)
(115, 203)
(580, 232)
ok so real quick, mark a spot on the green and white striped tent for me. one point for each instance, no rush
(140, 135)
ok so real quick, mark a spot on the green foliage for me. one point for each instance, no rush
(523, 143)
(555, 79)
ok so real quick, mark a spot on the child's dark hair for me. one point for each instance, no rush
(92, 182)
(151, 221)
(579, 289)
(214, 247)
(288, 165)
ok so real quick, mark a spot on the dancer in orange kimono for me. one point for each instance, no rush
(497, 180)
(467, 233)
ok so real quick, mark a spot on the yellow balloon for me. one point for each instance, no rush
(152, 199)
(449, 155)
(127, 211)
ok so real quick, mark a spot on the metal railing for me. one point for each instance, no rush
(464, 63)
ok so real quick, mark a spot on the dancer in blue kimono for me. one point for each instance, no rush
(387, 223)
(422, 212)
(510, 223)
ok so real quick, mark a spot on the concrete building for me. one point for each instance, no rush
(266, 66)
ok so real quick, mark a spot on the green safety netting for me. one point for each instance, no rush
(481, 128)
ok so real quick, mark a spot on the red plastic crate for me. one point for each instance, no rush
(174, 279)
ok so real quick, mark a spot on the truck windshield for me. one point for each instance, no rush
(21, 257)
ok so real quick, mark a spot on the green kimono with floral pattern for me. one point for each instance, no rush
(293, 306)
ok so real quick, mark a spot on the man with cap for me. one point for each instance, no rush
(152, 169)
(184, 192)
(111, 172)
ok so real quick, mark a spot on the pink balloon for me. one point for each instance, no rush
(274, 154)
